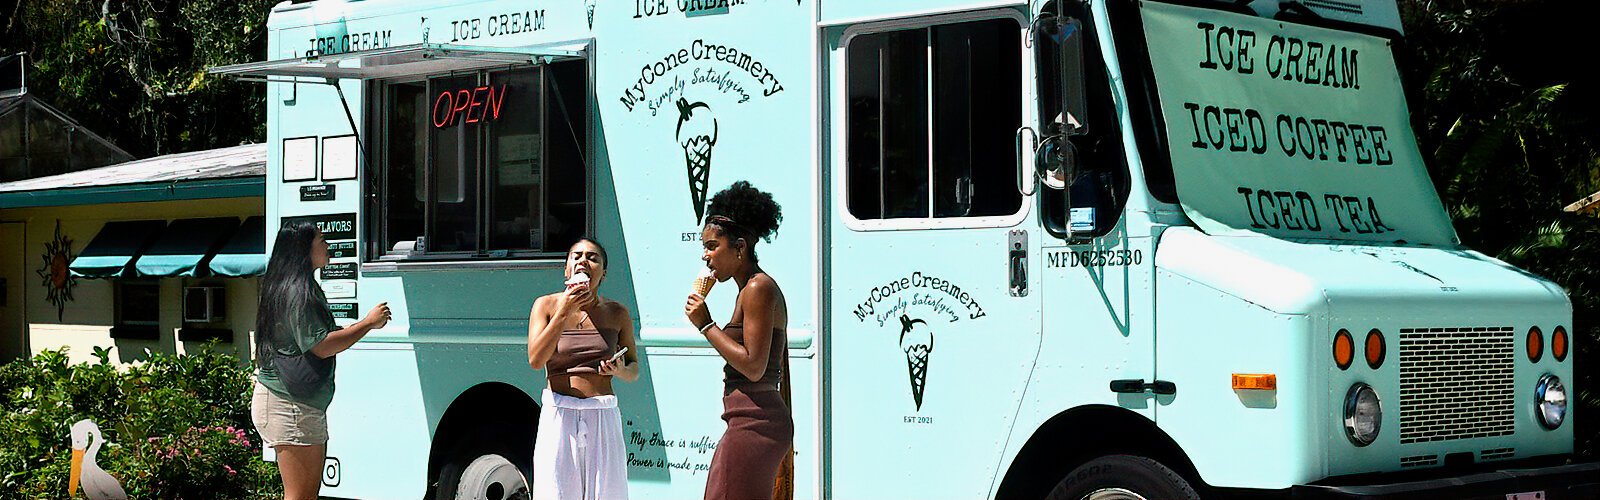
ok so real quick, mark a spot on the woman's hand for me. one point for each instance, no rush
(379, 316)
(695, 310)
(618, 366)
(612, 366)
(576, 298)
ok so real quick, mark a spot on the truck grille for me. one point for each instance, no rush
(1456, 383)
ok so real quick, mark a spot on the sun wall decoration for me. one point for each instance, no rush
(58, 280)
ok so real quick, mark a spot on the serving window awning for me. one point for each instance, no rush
(116, 246)
(404, 60)
(185, 247)
(245, 254)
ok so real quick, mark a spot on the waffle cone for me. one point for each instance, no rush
(702, 285)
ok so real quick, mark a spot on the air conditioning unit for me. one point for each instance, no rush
(204, 304)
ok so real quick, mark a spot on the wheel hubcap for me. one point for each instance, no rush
(1113, 494)
(491, 477)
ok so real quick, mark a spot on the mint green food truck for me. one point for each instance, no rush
(1101, 249)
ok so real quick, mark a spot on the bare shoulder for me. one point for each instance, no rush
(544, 303)
(764, 286)
(616, 312)
(761, 289)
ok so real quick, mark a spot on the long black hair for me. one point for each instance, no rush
(742, 211)
(287, 289)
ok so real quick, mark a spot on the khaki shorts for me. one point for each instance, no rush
(280, 421)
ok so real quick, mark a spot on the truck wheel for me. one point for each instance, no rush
(491, 477)
(1122, 477)
(481, 469)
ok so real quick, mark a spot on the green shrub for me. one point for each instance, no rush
(175, 427)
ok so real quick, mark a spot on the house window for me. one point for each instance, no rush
(932, 117)
(138, 313)
(205, 304)
(484, 164)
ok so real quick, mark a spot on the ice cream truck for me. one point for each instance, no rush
(1086, 249)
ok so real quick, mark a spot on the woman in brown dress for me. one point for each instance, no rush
(760, 426)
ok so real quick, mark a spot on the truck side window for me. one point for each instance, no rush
(481, 164)
(1100, 190)
(931, 121)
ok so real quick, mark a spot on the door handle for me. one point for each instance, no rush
(1136, 386)
(1017, 263)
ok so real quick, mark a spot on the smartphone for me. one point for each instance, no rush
(618, 355)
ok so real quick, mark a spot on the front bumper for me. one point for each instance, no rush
(1554, 482)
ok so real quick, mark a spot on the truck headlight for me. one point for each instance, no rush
(1551, 398)
(1363, 414)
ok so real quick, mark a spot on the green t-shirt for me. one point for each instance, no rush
(299, 335)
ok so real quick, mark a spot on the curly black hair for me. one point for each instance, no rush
(742, 211)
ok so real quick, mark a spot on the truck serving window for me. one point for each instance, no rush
(932, 114)
(481, 164)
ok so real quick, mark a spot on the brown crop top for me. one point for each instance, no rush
(581, 350)
(732, 379)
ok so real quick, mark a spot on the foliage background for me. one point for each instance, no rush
(174, 427)
(133, 71)
(1501, 91)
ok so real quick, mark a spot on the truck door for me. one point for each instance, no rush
(932, 327)
(1098, 254)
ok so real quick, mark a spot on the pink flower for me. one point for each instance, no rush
(230, 470)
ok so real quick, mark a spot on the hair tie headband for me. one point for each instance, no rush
(728, 223)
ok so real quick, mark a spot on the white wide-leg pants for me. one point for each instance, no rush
(579, 453)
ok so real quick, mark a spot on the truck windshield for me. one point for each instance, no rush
(1288, 130)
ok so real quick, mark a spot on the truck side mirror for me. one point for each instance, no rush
(1056, 162)
(1058, 45)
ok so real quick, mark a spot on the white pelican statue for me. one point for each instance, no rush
(97, 484)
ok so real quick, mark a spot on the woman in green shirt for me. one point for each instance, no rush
(296, 340)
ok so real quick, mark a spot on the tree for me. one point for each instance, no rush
(134, 70)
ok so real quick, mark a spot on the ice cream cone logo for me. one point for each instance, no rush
(697, 134)
(588, 6)
(917, 342)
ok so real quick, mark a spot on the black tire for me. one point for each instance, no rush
(483, 442)
(1138, 475)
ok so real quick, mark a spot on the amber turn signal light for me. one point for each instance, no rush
(1344, 349)
(1375, 348)
(1558, 344)
(1255, 381)
(1535, 344)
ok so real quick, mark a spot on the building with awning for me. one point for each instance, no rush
(159, 254)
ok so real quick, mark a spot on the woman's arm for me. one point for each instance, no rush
(756, 301)
(540, 345)
(546, 320)
(339, 340)
(626, 368)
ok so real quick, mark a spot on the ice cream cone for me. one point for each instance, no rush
(918, 346)
(579, 278)
(697, 158)
(703, 283)
(697, 134)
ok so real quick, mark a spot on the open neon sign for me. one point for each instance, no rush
(453, 107)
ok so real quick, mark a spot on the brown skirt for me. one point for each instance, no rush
(760, 433)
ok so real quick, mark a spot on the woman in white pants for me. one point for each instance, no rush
(582, 340)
